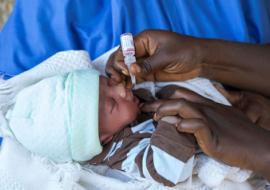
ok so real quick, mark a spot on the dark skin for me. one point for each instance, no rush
(222, 132)
(255, 106)
(168, 56)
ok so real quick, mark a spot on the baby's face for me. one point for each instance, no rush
(117, 108)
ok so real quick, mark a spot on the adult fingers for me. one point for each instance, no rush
(176, 92)
(200, 130)
(144, 95)
(115, 67)
(153, 106)
(166, 92)
(252, 111)
(233, 97)
(181, 107)
(148, 50)
(173, 120)
(145, 45)
(148, 65)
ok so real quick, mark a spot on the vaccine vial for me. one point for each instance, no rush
(128, 50)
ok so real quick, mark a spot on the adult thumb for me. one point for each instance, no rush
(148, 65)
(234, 97)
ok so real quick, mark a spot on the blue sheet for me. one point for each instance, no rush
(38, 28)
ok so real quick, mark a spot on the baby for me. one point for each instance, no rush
(68, 115)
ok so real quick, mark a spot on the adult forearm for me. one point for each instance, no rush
(242, 65)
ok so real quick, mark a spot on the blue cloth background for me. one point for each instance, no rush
(39, 28)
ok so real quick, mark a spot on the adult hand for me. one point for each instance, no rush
(168, 56)
(161, 56)
(255, 106)
(222, 132)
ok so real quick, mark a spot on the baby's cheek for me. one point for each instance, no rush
(130, 114)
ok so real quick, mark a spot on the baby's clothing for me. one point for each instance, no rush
(151, 152)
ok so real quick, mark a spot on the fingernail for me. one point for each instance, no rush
(155, 117)
(177, 124)
(123, 94)
(125, 72)
(135, 68)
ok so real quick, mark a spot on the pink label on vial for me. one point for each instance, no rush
(127, 44)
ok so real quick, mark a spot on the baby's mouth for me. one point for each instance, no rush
(130, 97)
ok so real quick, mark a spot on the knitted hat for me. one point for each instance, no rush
(58, 117)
